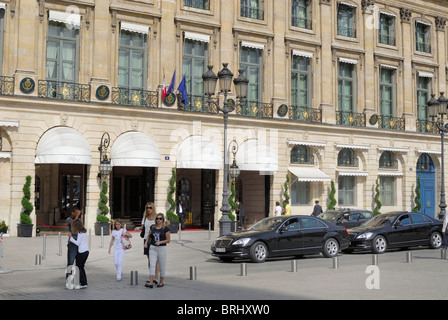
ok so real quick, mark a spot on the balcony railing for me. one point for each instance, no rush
(389, 122)
(6, 85)
(197, 104)
(389, 165)
(64, 90)
(135, 97)
(305, 114)
(427, 126)
(348, 118)
(255, 109)
(352, 162)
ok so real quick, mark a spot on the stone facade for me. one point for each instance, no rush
(26, 117)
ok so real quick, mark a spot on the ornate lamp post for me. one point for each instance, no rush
(105, 167)
(225, 81)
(437, 110)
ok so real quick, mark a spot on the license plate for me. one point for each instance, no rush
(220, 249)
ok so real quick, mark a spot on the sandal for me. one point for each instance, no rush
(160, 285)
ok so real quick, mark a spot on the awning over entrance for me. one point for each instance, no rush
(134, 149)
(63, 145)
(198, 152)
(255, 155)
(309, 174)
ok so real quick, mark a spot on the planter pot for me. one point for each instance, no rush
(106, 228)
(174, 227)
(24, 230)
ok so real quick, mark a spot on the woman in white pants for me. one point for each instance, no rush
(158, 237)
(118, 247)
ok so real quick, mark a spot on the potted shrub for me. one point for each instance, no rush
(102, 221)
(171, 213)
(25, 227)
(3, 227)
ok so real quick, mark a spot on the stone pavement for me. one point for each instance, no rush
(315, 278)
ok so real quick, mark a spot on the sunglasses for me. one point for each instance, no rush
(159, 218)
(148, 207)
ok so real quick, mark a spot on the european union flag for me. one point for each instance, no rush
(183, 91)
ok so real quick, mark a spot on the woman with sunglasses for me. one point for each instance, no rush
(159, 236)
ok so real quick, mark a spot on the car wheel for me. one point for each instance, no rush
(258, 252)
(435, 240)
(379, 244)
(331, 248)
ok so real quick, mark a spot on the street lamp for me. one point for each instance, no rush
(225, 81)
(105, 167)
(437, 109)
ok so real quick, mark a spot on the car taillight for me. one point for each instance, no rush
(346, 232)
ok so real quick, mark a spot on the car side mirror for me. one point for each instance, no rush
(283, 228)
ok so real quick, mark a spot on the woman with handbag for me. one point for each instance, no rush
(120, 245)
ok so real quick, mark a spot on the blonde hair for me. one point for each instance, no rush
(163, 219)
(153, 215)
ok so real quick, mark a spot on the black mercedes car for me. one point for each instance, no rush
(347, 218)
(396, 230)
(282, 236)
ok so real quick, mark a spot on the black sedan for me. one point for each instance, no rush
(282, 236)
(347, 218)
(396, 230)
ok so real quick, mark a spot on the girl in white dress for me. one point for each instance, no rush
(119, 251)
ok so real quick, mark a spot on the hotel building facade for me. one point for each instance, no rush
(338, 92)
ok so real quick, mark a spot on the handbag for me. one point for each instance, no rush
(142, 233)
(126, 242)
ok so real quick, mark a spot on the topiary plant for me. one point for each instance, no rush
(102, 204)
(27, 206)
(418, 195)
(170, 214)
(333, 201)
(378, 205)
(233, 205)
(285, 193)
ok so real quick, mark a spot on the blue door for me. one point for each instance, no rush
(425, 168)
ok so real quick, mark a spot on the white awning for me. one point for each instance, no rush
(252, 45)
(6, 123)
(353, 173)
(307, 143)
(255, 155)
(429, 151)
(134, 149)
(5, 154)
(390, 173)
(302, 54)
(198, 152)
(68, 18)
(352, 146)
(63, 145)
(309, 174)
(350, 61)
(197, 36)
(132, 27)
(393, 149)
(423, 74)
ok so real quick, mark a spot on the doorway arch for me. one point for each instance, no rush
(426, 171)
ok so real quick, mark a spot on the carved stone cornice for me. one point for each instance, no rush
(440, 24)
(406, 15)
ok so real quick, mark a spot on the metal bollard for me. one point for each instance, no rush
(193, 273)
(38, 260)
(243, 269)
(335, 263)
(60, 244)
(44, 249)
(374, 259)
(209, 230)
(294, 266)
(408, 256)
(102, 237)
(134, 278)
(443, 254)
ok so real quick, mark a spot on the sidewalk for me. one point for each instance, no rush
(315, 278)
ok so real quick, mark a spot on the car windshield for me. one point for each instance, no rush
(329, 215)
(382, 220)
(267, 224)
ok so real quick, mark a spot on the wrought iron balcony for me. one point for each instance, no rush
(135, 97)
(352, 162)
(255, 109)
(51, 89)
(427, 126)
(389, 122)
(197, 104)
(305, 114)
(348, 118)
(389, 165)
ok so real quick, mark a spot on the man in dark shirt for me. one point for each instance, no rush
(317, 209)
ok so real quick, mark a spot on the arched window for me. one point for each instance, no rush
(425, 163)
(387, 160)
(346, 158)
(300, 154)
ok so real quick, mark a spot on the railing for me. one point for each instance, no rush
(135, 97)
(391, 165)
(427, 126)
(305, 114)
(348, 118)
(64, 90)
(348, 162)
(197, 104)
(255, 109)
(389, 122)
(200, 4)
(6, 85)
(254, 13)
